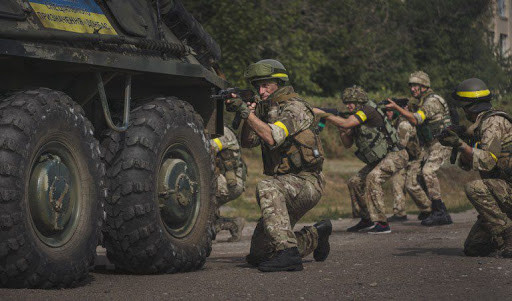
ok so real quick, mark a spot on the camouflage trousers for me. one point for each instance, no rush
(416, 191)
(427, 167)
(398, 186)
(357, 187)
(387, 167)
(480, 242)
(492, 199)
(226, 193)
(283, 200)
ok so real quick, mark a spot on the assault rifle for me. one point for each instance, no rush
(401, 102)
(321, 123)
(460, 130)
(246, 95)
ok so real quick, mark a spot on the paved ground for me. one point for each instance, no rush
(413, 262)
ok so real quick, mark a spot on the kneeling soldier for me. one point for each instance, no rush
(231, 175)
(491, 155)
(282, 123)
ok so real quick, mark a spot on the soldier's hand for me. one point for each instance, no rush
(450, 138)
(391, 105)
(233, 104)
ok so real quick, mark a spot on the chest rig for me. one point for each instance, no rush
(374, 143)
(301, 151)
(428, 129)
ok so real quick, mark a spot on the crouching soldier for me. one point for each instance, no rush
(231, 175)
(282, 123)
(378, 147)
(491, 155)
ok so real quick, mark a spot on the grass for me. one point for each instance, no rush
(335, 202)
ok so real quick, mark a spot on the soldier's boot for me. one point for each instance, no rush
(324, 229)
(236, 230)
(256, 261)
(284, 260)
(423, 215)
(439, 215)
(507, 243)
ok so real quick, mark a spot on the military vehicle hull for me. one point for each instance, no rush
(104, 138)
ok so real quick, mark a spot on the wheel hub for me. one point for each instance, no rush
(49, 195)
(177, 196)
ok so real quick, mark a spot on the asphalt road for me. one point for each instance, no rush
(413, 262)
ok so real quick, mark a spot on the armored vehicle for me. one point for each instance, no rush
(105, 121)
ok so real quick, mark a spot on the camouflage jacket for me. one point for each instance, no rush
(227, 152)
(493, 136)
(433, 115)
(287, 116)
(407, 137)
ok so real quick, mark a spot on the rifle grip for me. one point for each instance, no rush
(235, 124)
(453, 156)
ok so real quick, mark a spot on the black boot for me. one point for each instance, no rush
(439, 215)
(423, 215)
(256, 261)
(284, 260)
(324, 229)
(507, 243)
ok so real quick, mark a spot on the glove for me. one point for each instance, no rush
(450, 138)
(239, 106)
(234, 104)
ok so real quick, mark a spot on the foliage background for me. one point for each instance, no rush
(328, 45)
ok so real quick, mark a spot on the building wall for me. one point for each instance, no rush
(501, 26)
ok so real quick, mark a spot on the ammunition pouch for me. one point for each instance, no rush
(305, 153)
(371, 144)
(301, 152)
(429, 130)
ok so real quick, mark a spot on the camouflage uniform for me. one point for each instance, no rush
(287, 194)
(398, 187)
(406, 132)
(432, 109)
(231, 176)
(492, 194)
(390, 165)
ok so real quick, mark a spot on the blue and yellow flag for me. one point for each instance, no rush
(81, 16)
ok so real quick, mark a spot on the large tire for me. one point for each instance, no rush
(149, 230)
(51, 191)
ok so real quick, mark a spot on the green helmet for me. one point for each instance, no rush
(266, 69)
(473, 94)
(419, 77)
(354, 94)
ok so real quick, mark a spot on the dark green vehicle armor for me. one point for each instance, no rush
(105, 120)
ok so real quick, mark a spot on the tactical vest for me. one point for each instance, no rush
(428, 129)
(302, 151)
(504, 159)
(374, 143)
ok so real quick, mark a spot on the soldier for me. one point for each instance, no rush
(408, 139)
(492, 157)
(378, 147)
(282, 124)
(231, 175)
(430, 119)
